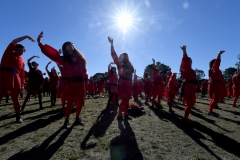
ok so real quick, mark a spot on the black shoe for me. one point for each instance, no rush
(66, 124)
(18, 119)
(127, 117)
(40, 108)
(78, 121)
(119, 118)
(213, 114)
(216, 107)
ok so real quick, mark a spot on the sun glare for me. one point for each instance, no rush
(124, 21)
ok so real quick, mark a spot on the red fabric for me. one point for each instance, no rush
(215, 89)
(90, 85)
(53, 81)
(158, 85)
(125, 86)
(189, 88)
(236, 88)
(9, 59)
(73, 92)
(62, 82)
(229, 89)
(100, 86)
(166, 88)
(135, 87)
(112, 80)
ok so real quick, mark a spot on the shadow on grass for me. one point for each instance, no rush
(44, 150)
(195, 131)
(104, 120)
(31, 127)
(125, 146)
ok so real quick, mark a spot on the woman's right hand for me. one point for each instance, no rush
(110, 40)
(40, 37)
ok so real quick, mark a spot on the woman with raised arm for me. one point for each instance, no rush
(169, 73)
(147, 86)
(125, 71)
(190, 83)
(158, 85)
(75, 65)
(12, 73)
(35, 82)
(54, 81)
(215, 87)
(113, 79)
(236, 87)
(172, 92)
(135, 86)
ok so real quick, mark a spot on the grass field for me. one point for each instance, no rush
(157, 134)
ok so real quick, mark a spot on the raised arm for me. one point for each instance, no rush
(114, 54)
(49, 51)
(29, 60)
(47, 67)
(109, 66)
(185, 64)
(15, 41)
(217, 62)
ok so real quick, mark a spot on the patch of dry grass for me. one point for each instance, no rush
(157, 134)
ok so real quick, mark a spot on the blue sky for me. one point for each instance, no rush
(158, 28)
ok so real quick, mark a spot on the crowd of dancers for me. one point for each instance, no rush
(74, 85)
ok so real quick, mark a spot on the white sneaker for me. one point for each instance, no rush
(36, 99)
(20, 121)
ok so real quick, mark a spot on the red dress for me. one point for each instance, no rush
(158, 85)
(73, 91)
(90, 86)
(53, 81)
(113, 80)
(236, 88)
(135, 87)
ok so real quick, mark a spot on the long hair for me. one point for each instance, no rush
(126, 64)
(67, 57)
(111, 70)
(21, 46)
(210, 67)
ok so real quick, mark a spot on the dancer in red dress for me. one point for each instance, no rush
(190, 85)
(215, 86)
(12, 73)
(75, 64)
(125, 71)
(172, 90)
(54, 81)
(236, 87)
(112, 76)
(35, 82)
(158, 85)
(135, 86)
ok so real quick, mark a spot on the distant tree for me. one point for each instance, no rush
(102, 76)
(162, 67)
(199, 74)
(228, 73)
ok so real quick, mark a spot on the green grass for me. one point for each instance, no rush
(157, 134)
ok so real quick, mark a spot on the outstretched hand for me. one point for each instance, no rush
(153, 59)
(40, 37)
(221, 52)
(49, 62)
(36, 56)
(30, 38)
(110, 39)
(183, 47)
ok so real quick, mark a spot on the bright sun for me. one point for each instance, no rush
(124, 21)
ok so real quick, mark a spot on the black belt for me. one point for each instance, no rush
(157, 83)
(194, 81)
(216, 81)
(64, 78)
(237, 83)
(114, 84)
(75, 79)
(126, 77)
(8, 69)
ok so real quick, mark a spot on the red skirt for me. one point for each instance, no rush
(216, 90)
(125, 89)
(61, 86)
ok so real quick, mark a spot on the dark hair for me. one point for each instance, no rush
(21, 46)
(210, 67)
(112, 70)
(66, 56)
(126, 64)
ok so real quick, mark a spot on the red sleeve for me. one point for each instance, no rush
(116, 59)
(216, 64)
(185, 62)
(154, 73)
(51, 53)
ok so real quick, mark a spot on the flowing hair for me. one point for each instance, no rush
(210, 67)
(67, 57)
(126, 64)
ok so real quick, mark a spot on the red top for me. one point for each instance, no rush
(216, 73)
(9, 59)
(235, 80)
(168, 77)
(156, 77)
(78, 69)
(112, 78)
(119, 65)
(187, 72)
(135, 80)
(53, 81)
